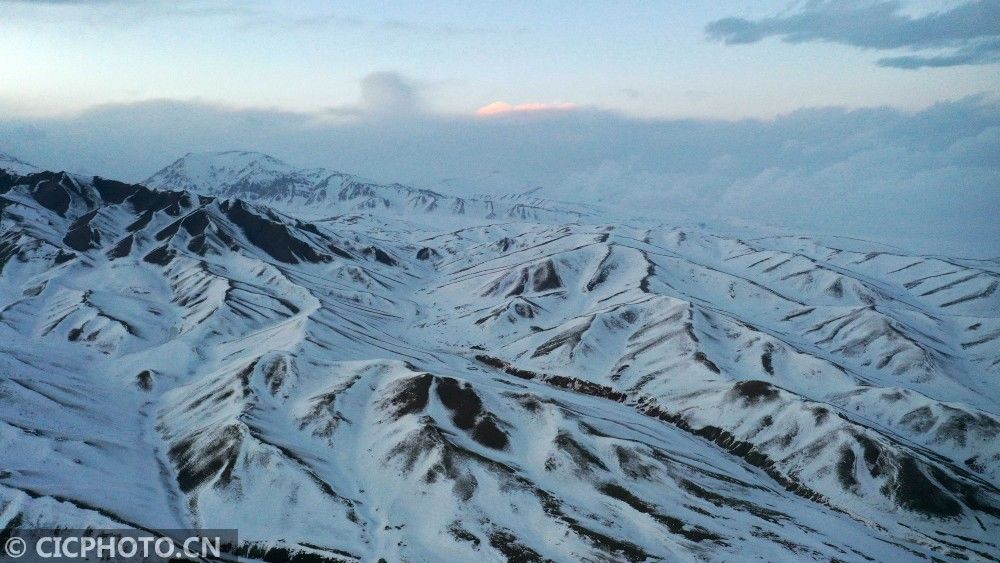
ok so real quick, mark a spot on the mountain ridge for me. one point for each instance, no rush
(313, 192)
(488, 390)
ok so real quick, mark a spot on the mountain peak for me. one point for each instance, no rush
(225, 161)
(224, 173)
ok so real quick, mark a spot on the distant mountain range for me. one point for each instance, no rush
(317, 192)
(350, 371)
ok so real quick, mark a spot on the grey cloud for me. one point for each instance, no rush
(971, 30)
(987, 52)
(252, 15)
(389, 93)
(384, 95)
(929, 180)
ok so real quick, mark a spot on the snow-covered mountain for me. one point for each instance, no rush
(318, 193)
(362, 387)
(16, 166)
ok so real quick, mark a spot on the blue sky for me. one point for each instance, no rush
(875, 118)
(654, 59)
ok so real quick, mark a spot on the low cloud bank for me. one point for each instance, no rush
(929, 181)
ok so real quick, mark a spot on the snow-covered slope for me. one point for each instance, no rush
(318, 193)
(16, 166)
(360, 388)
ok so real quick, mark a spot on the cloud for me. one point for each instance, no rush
(389, 94)
(259, 14)
(970, 31)
(928, 180)
(148, 7)
(501, 108)
(384, 96)
(987, 52)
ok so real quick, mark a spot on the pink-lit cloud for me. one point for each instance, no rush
(501, 108)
